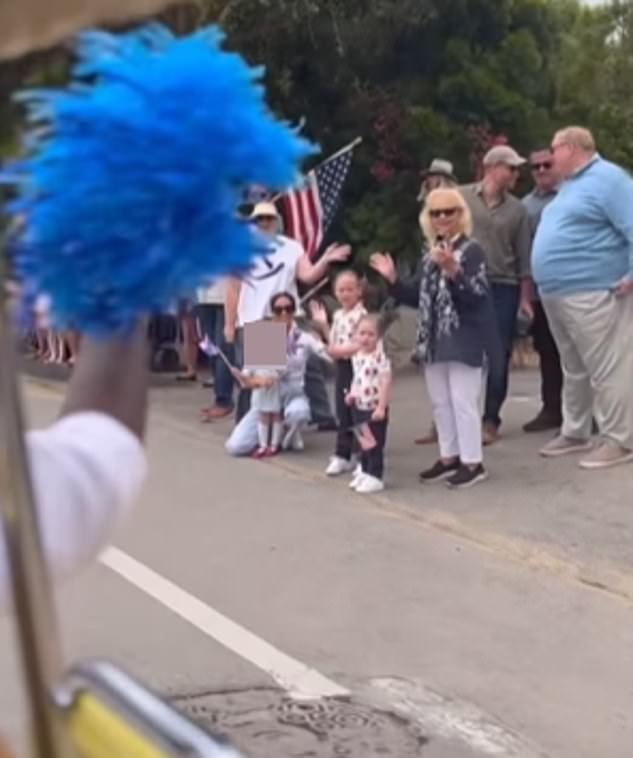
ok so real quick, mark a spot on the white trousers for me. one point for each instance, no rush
(455, 390)
(594, 335)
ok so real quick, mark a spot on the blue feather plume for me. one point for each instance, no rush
(134, 172)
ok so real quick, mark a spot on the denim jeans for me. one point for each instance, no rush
(505, 299)
(211, 324)
(316, 390)
(243, 403)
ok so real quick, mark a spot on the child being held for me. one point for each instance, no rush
(266, 399)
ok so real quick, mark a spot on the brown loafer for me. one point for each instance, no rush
(215, 413)
(428, 439)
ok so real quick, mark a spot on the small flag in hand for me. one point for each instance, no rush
(213, 351)
(365, 437)
(209, 348)
(309, 210)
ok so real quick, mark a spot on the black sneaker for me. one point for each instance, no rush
(439, 470)
(544, 422)
(465, 477)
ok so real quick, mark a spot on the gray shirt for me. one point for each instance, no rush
(504, 234)
(534, 203)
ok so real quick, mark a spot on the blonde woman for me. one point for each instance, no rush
(456, 330)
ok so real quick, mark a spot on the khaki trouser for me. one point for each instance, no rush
(594, 335)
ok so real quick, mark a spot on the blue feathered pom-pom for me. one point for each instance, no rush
(134, 173)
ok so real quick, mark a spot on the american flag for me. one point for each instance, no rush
(309, 210)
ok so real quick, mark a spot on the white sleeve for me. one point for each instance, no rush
(87, 469)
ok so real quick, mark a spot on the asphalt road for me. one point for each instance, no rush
(303, 620)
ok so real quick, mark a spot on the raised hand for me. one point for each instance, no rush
(337, 253)
(318, 312)
(383, 264)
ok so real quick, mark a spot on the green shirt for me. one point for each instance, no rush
(503, 232)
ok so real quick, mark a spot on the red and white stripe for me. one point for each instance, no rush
(303, 215)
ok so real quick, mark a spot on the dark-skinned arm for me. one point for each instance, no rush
(111, 377)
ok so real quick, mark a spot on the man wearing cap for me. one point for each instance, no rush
(439, 174)
(501, 225)
(248, 299)
(545, 190)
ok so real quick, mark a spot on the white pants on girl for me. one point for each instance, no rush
(455, 390)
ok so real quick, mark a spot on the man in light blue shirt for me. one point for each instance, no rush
(582, 264)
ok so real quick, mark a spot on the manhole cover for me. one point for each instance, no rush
(263, 723)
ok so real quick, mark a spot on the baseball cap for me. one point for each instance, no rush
(504, 154)
(264, 209)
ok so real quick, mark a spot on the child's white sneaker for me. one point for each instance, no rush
(338, 466)
(369, 485)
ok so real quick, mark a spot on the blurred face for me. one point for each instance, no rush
(542, 170)
(347, 291)
(367, 335)
(432, 181)
(267, 225)
(446, 214)
(283, 310)
(505, 176)
(563, 158)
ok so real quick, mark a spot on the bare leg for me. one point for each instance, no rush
(72, 342)
(189, 348)
(41, 340)
(263, 433)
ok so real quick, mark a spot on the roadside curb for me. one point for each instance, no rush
(602, 576)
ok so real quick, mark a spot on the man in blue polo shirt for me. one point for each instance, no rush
(582, 263)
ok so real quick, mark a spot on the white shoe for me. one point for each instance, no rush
(369, 485)
(293, 440)
(296, 443)
(357, 477)
(338, 466)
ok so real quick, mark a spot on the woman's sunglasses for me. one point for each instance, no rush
(443, 212)
(280, 310)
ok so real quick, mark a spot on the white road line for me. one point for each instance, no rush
(299, 680)
(436, 715)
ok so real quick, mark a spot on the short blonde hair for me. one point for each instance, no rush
(578, 137)
(454, 196)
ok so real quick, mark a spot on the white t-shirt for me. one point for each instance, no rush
(272, 273)
(213, 294)
(87, 470)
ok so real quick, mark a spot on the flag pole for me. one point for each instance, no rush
(353, 144)
(312, 292)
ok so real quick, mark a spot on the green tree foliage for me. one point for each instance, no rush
(418, 79)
